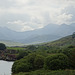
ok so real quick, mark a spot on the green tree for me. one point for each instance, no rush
(2, 46)
(70, 52)
(31, 47)
(56, 62)
(39, 62)
(20, 66)
(30, 59)
(22, 54)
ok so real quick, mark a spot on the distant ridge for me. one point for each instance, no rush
(65, 41)
(49, 33)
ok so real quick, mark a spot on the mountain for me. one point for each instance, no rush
(40, 39)
(65, 41)
(64, 30)
(48, 33)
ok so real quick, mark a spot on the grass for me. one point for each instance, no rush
(48, 72)
(16, 48)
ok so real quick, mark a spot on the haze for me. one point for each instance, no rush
(24, 15)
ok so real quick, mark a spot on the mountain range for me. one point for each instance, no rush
(48, 33)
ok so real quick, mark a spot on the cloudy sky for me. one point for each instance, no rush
(24, 15)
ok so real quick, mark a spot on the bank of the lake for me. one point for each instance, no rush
(5, 67)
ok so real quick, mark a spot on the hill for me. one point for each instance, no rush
(48, 33)
(65, 41)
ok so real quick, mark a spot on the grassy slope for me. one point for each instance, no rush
(65, 41)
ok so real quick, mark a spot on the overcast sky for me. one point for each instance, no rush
(23, 15)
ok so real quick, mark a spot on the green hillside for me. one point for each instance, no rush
(10, 43)
(65, 41)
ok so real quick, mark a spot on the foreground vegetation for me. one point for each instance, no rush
(40, 60)
(48, 72)
(46, 59)
(57, 58)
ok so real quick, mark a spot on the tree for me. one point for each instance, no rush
(22, 54)
(56, 62)
(20, 66)
(2, 46)
(70, 52)
(39, 62)
(28, 63)
(31, 47)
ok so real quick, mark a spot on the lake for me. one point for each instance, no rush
(5, 67)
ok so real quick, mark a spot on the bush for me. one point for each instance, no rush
(36, 61)
(28, 63)
(30, 59)
(2, 46)
(20, 66)
(39, 62)
(22, 54)
(56, 62)
(70, 52)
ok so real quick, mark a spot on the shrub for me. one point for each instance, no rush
(30, 59)
(2, 46)
(70, 52)
(22, 54)
(39, 62)
(20, 66)
(28, 63)
(56, 62)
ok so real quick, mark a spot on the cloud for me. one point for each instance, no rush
(24, 26)
(17, 22)
(20, 26)
(23, 15)
(27, 28)
(64, 18)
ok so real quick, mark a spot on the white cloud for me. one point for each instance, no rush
(64, 18)
(39, 13)
(19, 22)
(26, 28)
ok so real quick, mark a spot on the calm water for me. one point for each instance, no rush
(5, 67)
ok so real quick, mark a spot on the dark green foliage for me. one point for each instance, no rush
(31, 47)
(30, 59)
(2, 46)
(20, 66)
(28, 63)
(56, 62)
(70, 46)
(39, 62)
(21, 54)
(48, 72)
(70, 52)
(36, 61)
